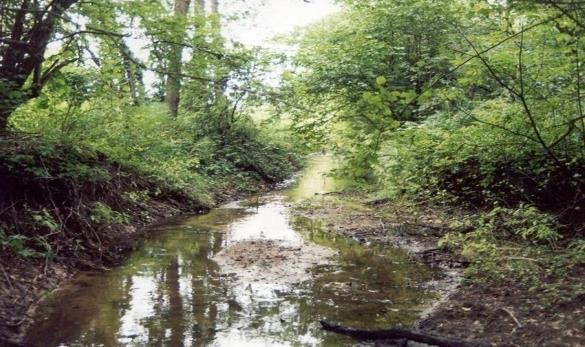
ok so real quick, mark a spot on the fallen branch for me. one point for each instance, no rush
(512, 316)
(396, 334)
(6, 276)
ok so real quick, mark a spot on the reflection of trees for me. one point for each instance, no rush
(100, 306)
(370, 283)
(86, 314)
(175, 318)
(189, 302)
(153, 324)
(205, 288)
(110, 314)
(187, 314)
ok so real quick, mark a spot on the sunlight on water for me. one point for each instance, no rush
(269, 221)
(314, 180)
(171, 291)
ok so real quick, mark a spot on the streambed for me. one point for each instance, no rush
(246, 274)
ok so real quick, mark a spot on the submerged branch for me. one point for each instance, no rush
(396, 334)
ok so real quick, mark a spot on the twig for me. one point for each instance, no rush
(512, 316)
(6, 276)
(527, 259)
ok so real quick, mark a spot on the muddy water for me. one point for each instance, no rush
(178, 289)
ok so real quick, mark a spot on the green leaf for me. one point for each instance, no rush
(380, 80)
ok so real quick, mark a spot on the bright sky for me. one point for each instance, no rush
(275, 17)
(267, 19)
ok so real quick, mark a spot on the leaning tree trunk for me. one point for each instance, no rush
(23, 42)
(173, 88)
(220, 83)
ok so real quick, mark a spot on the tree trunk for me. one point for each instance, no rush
(175, 321)
(23, 52)
(199, 8)
(215, 7)
(215, 21)
(4, 114)
(220, 83)
(11, 97)
(173, 89)
(132, 72)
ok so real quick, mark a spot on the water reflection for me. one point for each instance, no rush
(171, 292)
(315, 179)
(269, 222)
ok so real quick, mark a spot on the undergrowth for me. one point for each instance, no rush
(520, 246)
(71, 203)
(73, 184)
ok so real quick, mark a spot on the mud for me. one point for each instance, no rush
(270, 261)
(495, 313)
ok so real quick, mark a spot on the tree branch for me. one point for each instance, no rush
(396, 334)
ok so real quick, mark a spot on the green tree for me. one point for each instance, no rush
(26, 28)
(372, 69)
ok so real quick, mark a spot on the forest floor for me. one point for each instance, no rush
(499, 313)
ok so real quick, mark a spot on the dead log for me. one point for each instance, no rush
(396, 334)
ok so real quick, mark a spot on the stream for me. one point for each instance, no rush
(249, 273)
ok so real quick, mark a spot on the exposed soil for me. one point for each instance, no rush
(499, 314)
(503, 314)
(271, 261)
(415, 231)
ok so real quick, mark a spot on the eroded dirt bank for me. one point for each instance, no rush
(67, 212)
(26, 280)
(78, 243)
(496, 313)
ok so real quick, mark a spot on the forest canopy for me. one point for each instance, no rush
(154, 84)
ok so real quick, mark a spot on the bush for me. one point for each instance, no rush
(458, 159)
(176, 152)
(73, 202)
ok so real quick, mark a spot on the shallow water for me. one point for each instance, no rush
(171, 292)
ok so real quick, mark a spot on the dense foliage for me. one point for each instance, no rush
(88, 139)
(475, 101)
(114, 113)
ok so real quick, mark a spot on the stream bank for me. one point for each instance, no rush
(499, 313)
(264, 270)
(249, 273)
(67, 209)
